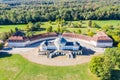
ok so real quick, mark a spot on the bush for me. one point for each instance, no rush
(114, 55)
(118, 45)
(1, 46)
(79, 31)
(101, 66)
(90, 33)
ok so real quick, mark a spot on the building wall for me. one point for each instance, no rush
(97, 44)
(18, 44)
(23, 44)
(43, 48)
(70, 47)
(102, 44)
(51, 47)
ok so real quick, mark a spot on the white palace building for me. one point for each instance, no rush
(53, 44)
(59, 44)
(98, 40)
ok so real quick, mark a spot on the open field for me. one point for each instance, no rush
(15, 67)
(5, 28)
(115, 23)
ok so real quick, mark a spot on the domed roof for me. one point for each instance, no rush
(60, 40)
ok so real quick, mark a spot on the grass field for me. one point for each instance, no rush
(15, 67)
(115, 23)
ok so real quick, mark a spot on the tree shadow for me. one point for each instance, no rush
(5, 54)
(87, 51)
(115, 75)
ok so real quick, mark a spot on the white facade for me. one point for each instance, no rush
(26, 43)
(94, 43)
(102, 44)
(18, 44)
(59, 44)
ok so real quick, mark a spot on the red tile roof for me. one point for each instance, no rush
(78, 36)
(101, 36)
(17, 38)
(35, 37)
(50, 34)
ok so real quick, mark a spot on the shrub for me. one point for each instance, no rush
(1, 46)
(101, 66)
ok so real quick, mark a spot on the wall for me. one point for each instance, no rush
(23, 44)
(97, 44)
(18, 44)
(102, 44)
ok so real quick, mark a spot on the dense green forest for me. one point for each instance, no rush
(24, 11)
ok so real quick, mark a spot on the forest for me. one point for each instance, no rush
(24, 11)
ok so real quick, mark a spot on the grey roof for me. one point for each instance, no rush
(69, 44)
(72, 44)
(47, 43)
(76, 44)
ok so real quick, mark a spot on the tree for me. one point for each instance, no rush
(29, 26)
(49, 29)
(79, 25)
(58, 29)
(118, 45)
(79, 31)
(16, 29)
(114, 55)
(5, 36)
(29, 34)
(101, 66)
(89, 23)
(107, 27)
(36, 26)
(90, 33)
(94, 25)
(116, 38)
(1, 46)
(11, 31)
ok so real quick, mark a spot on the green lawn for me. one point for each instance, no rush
(115, 23)
(101, 23)
(5, 28)
(15, 67)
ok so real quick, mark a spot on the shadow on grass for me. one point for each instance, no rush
(5, 54)
(115, 75)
